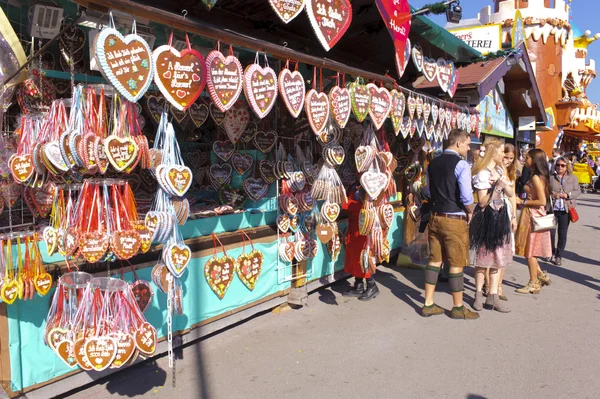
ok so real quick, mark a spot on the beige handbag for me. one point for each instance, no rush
(548, 222)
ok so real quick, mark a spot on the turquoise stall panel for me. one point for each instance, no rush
(32, 362)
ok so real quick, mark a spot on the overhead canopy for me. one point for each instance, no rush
(519, 80)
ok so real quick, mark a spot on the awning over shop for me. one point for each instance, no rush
(583, 135)
(519, 82)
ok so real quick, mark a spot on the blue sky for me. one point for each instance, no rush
(583, 17)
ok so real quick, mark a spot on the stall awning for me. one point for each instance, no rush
(441, 38)
(583, 135)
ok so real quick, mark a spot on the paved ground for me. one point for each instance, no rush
(548, 347)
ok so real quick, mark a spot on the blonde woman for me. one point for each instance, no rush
(490, 230)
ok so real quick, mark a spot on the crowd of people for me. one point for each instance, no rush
(481, 210)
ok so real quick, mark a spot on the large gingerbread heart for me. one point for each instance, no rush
(219, 274)
(126, 62)
(21, 167)
(223, 79)
(380, 106)
(360, 99)
(317, 110)
(339, 101)
(374, 183)
(248, 268)
(179, 75)
(287, 10)
(260, 87)
(291, 87)
(236, 120)
(329, 19)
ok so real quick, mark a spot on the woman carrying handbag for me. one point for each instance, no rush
(565, 189)
(532, 239)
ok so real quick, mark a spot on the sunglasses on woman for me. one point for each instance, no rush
(561, 165)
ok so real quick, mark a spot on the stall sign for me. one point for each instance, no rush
(527, 123)
(526, 136)
(495, 119)
(485, 39)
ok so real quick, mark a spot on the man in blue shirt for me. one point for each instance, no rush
(452, 205)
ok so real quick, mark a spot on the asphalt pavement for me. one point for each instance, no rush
(336, 347)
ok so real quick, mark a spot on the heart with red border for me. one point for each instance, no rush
(260, 87)
(386, 212)
(397, 111)
(131, 76)
(93, 246)
(317, 110)
(236, 120)
(417, 57)
(360, 99)
(445, 70)
(125, 244)
(329, 19)
(454, 83)
(242, 162)
(430, 69)
(380, 105)
(248, 268)
(142, 293)
(265, 141)
(374, 183)
(223, 79)
(287, 10)
(198, 114)
(43, 198)
(223, 149)
(218, 273)
(292, 89)
(401, 65)
(180, 76)
(255, 188)
(339, 101)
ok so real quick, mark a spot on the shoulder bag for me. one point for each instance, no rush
(573, 215)
(540, 224)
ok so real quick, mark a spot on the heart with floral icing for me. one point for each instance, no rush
(219, 274)
(329, 19)
(236, 120)
(397, 111)
(177, 258)
(339, 100)
(360, 99)
(223, 79)
(292, 89)
(380, 105)
(317, 110)
(260, 87)
(445, 70)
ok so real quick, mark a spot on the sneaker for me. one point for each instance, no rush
(463, 313)
(433, 310)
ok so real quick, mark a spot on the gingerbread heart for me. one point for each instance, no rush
(177, 257)
(360, 99)
(445, 70)
(220, 174)
(374, 183)
(236, 120)
(380, 105)
(242, 163)
(397, 111)
(329, 19)
(198, 113)
(216, 114)
(260, 88)
(178, 178)
(180, 76)
(121, 152)
(21, 167)
(287, 10)
(339, 101)
(430, 69)
(265, 141)
(126, 62)
(416, 143)
(248, 268)
(454, 83)
(417, 57)
(317, 110)
(218, 273)
(402, 164)
(265, 169)
(101, 352)
(223, 79)
(145, 338)
(223, 149)
(231, 196)
(400, 64)
(291, 87)
(255, 188)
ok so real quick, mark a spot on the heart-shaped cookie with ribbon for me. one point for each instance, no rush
(126, 62)
(317, 110)
(417, 57)
(339, 101)
(360, 99)
(291, 88)
(242, 162)
(374, 183)
(121, 152)
(177, 257)
(219, 274)
(445, 71)
(260, 87)
(397, 110)
(380, 105)
(430, 69)
(180, 76)
(223, 79)
(248, 268)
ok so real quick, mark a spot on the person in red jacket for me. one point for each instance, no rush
(355, 243)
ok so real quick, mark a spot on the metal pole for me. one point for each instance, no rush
(37, 53)
(187, 24)
(425, 10)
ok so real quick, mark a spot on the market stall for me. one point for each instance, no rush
(176, 177)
